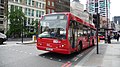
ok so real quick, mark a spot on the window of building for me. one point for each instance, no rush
(43, 6)
(16, 1)
(37, 5)
(96, 9)
(20, 8)
(1, 11)
(29, 2)
(16, 7)
(1, 22)
(37, 14)
(43, 12)
(96, 4)
(12, 7)
(29, 12)
(26, 2)
(48, 11)
(25, 11)
(40, 5)
(49, 3)
(32, 3)
(32, 12)
(20, 1)
(53, 11)
(28, 20)
(52, 3)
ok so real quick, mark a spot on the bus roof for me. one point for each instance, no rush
(73, 17)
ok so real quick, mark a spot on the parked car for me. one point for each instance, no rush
(102, 37)
(3, 38)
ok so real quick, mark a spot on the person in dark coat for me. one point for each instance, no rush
(117, 37)
(109, 39)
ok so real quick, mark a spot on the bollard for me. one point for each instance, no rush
(34, 38)
(98, 39)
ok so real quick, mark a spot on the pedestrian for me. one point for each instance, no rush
(109, 39)
(117, 37)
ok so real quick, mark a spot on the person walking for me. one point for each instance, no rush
(109, 39)
(117, 37)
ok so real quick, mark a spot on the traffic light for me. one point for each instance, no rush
(96, 20)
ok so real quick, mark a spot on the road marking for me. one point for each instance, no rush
(76, 59)
(51, 58)
(67, 64)
(25, 52)
(59, 60)
(21, 51)
(85, 58)
(30, 53)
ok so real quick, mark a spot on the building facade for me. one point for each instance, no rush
(3, 16)
(50, 6)
(33, 10)
(116, 21)
(100, 6)
(62, 5)
(57, 6)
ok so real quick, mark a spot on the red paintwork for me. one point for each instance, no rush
(67, 49)
(101, 37)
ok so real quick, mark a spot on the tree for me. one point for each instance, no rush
(17, 18)
(35, 24)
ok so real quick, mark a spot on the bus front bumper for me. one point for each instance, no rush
(56, 50)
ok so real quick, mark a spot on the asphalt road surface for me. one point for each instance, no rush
(18, 55)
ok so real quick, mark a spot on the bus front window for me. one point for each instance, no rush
(53, 28)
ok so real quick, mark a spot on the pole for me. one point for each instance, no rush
(107, 19)
(97, 32)
(22, 33)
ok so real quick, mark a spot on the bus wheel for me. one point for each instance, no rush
(93, 42)
(80, 47)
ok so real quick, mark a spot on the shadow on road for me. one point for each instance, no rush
(74, 57)
(58, 57)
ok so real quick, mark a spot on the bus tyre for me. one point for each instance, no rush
(80, 47)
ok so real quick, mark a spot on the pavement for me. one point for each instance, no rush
(25, 40)
(109, 56)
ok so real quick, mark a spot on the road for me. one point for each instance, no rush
(18, 55)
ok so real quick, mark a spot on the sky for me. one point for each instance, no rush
(114, 7)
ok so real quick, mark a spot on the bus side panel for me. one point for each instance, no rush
(84, 40)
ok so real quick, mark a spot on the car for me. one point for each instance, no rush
(3, 38)
(101, 37)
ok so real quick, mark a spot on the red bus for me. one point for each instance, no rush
(64, 33)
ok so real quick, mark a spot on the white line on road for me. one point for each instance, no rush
(30, 53)
(26, 52)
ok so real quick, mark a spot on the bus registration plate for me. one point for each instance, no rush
(49, 49)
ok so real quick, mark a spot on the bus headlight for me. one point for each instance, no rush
(39, 43)
(55, 41)
(63, 45)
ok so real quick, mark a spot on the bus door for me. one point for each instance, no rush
(71, 34)
(86, 39)
(89, 37)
